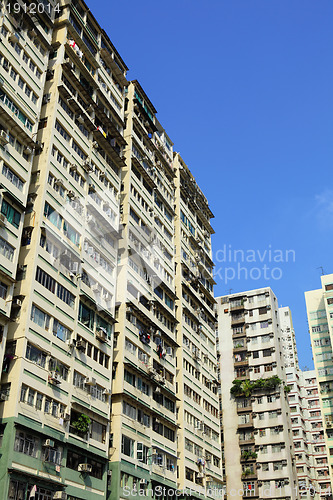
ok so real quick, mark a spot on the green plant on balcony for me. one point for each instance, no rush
(247, 387)
(287, 388)
(248, 454)
(238, 345)
(82, 424)
(247, 472)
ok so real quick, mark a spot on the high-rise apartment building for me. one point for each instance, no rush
(319, 305)
(144, 424)
(55, 412)
(321, 472)
(109, 378)
(258, 446)
(288, 339)
(306, 418)
(23, 62)
(199, 449)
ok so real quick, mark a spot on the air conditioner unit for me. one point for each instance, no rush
(59, 182)
(85, 468)
(71, 194)
(13, 37)
(39, 146)
(157, 390)
(90, 381)
(169, 351)
(66, 416)
(49, 443)
(30, 200)
(16, 302)
(143, 481)
(209, 479)
(46, 98)
(107, 392)
(27, 150)
(81, 345)
(91, 220)
(32, 33)
(71, 342)
(200, 475)
(3, 396)
(87, 166)
(74, 267)
(80, 119)
(101, 335)
(96, 288)
(4, 137)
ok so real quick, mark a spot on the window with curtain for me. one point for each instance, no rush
(86, 316)
(12, 215)
(52, 215)
(40, 318)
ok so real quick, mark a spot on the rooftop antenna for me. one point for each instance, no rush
(230, 290)
(322, 270)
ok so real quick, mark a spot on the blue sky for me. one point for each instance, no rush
(244, 89)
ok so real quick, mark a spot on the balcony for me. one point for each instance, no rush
(240, 360)
(109, 144)
(248, 439)
(236, 305)
(85, 90)
(244, 425)
(237, 319)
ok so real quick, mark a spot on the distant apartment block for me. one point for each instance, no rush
(319, 305)
(258, 444)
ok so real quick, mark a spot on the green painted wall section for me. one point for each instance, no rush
(57, 479)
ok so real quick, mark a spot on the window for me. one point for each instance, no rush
(62, 131)
(52, 215)
(142, 453)
(127, 446)
(129, 410)
(12, 215)
(45, 279)
(98, 431)
(40, 318)
(6, 249)
(169, 433)
(12, 177)
(61, 331)
(71, 234)
(86, 316)
(79, 151)
(52, 455)
(26, 443)
(65, 295)
(35, 355)
(16, 490)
